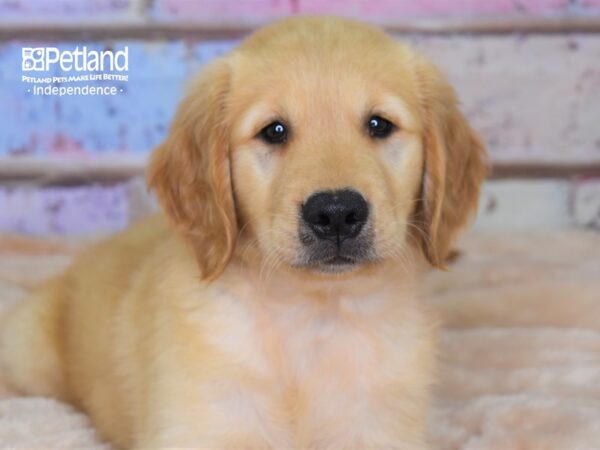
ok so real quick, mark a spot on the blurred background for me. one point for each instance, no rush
(528, 74)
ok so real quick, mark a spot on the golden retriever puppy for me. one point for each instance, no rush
(307, 177)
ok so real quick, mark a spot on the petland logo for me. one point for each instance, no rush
(42, 59)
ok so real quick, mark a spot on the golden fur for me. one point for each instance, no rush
(202, 332)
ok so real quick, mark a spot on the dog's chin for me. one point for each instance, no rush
(335, 265)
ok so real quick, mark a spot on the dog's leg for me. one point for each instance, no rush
(31, 343)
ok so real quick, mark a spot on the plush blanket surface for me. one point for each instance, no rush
(519, 354)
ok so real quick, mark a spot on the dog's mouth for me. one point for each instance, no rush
(342, 264)
(338, 260)
(329, 257)
(336, 264)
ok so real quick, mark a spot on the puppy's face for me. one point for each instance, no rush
(326, 158)
(329, 146)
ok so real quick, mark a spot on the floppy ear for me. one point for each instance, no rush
(455, 166)
(190, 172)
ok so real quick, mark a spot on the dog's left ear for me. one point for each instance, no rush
(455, 166)
(190, 172)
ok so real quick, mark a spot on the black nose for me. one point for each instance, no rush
(335, 215)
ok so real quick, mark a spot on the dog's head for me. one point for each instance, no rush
(325, 144)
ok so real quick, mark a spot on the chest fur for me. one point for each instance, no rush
(319, 374)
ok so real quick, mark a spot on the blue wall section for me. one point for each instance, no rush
(132, 121)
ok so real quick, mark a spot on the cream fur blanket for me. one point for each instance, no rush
(520, 354)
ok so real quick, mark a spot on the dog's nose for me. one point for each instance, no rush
(335, 215)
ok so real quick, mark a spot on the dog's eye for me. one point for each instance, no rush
(379, 127)
(274, 133)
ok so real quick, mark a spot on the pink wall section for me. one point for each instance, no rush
(390, 9)
(219, 11)
(592, 4)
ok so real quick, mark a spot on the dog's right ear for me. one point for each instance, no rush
(190, 172)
